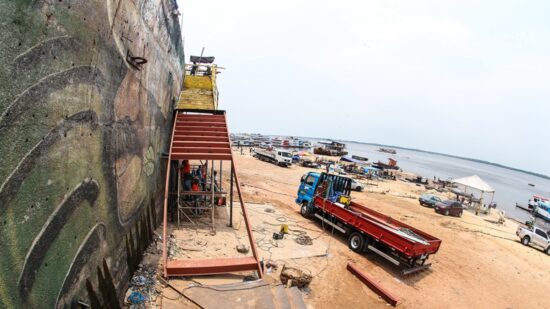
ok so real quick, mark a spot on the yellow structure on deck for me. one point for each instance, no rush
(199, 89)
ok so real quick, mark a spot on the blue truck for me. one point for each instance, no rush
(327, 198)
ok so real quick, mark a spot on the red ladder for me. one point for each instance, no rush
(204, 136)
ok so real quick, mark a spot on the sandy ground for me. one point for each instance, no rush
(479, 265)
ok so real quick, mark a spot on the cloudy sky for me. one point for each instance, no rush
(469, 78)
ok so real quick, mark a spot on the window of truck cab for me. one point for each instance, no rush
(541, 233)
(310, 180)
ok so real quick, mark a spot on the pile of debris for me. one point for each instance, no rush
(143, 291)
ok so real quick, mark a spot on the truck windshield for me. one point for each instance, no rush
(286, 154)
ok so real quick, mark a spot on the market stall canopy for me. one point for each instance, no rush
(475, 182)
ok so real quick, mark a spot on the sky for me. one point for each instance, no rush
(468, 78)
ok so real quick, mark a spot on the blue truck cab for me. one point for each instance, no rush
(333, 188)
(306, 191)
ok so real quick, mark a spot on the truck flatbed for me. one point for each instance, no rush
(326, 197)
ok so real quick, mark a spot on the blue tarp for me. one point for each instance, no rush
(370, 168)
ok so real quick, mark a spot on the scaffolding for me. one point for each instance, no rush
(202, 136)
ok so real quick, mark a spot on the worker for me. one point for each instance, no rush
(194, 68)
(185, 171)
(195, 185)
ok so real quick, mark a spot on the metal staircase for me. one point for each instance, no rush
(203, 135)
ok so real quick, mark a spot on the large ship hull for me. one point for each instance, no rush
(86, 91)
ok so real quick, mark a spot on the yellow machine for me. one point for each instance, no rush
(199, 85)
(344, 199)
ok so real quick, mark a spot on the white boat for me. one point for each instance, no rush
(542, 210)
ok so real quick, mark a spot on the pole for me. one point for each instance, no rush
(178, 196)
(198, 64)
(231, 196)
(212, 205)
(220, 183)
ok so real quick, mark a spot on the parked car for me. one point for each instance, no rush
(428, 200)
(534, 236)
(356, 185)
(449, 207)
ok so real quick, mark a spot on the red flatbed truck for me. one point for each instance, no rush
(327, 197)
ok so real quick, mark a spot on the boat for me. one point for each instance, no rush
(331, 148)
(354, 159)
(391, 165)
(277, 142)
(538, 206)
(387, 150)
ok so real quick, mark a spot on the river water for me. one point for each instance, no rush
(510, 186)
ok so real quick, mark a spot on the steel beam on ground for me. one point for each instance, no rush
(210, 266)
(375, 287)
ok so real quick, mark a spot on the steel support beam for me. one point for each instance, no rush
(231, 196)
(375, 287)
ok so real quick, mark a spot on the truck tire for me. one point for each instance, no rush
(304, 211)
(359, 188)
(356, 241)
(547, 251)
(366, 243)
(460, 214)
(525, 240)
(446, 212)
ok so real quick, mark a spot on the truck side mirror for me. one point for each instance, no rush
(303, 178)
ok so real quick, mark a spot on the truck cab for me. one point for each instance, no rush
(534, 236)
(333, 188)
(306, 191)
(283, 157)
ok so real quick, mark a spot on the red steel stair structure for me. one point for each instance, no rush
(203, 135)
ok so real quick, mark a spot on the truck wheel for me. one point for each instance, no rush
(446, 212)
(366, 245)
(525, 240)
(460, 214)
(305, 211)
(355, 242)
(359, 189)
